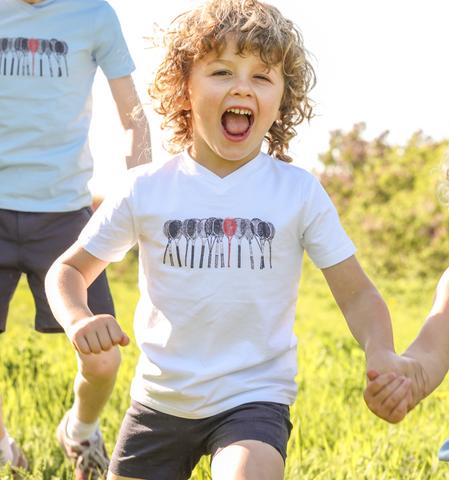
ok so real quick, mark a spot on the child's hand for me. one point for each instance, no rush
(383, 362)
(96, 334)
(388, 395)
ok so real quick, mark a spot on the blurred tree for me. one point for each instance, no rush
(387, 201)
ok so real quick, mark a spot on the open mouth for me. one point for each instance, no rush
(237, 122)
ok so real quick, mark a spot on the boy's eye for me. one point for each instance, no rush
(263, 77)
(221, 73)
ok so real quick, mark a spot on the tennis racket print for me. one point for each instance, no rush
(249, 235)
(211, 237)
(169, 239)
(33, 47)
(211, 232)
(240, 235)
(65, 51)
(26, 57)
(57, 48)
(49, 51)
(4, 50)
(190, 231)
(203, 236)
(219, 234)
(229, 229)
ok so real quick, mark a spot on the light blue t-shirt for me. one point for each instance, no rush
(49, 53)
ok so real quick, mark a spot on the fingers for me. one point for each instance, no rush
(97, 334)
(372, 374)
(388, 396)
(124, 341)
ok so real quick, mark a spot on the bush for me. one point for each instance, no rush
(386, 197)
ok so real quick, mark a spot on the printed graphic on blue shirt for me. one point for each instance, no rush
(209, 233)
(33, 56)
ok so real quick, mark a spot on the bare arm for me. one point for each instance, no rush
(431, 346)
(137, 131)
(364, 309)
(369, 321)
(66, 286)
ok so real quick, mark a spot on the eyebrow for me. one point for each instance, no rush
(218, 60)
(228, 62)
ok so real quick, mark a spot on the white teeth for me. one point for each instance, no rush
(241, 112)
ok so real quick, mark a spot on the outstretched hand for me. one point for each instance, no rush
(96, 334)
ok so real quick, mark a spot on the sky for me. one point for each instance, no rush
(384, 63)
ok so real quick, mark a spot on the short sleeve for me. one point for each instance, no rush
(110, 50)
(111, 231)
(323, 236)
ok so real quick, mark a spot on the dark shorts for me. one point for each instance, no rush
(154, 445)
(29, 243)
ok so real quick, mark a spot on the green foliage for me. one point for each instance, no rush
(386, 197)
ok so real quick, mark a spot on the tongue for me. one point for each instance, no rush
(235, 124)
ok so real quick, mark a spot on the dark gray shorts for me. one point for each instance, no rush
(153, 445)
(29, 243)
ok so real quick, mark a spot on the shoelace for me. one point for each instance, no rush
(92, 452)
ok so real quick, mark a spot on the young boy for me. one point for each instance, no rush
(222, 228)
(50, 51)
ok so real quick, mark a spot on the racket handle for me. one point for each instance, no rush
(179, 257)
(193, 256)
(202, 256)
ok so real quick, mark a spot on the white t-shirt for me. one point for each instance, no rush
(49, 53)
(220, 264)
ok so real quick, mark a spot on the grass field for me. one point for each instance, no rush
(335, 437)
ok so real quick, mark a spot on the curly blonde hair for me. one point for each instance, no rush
(257, 28)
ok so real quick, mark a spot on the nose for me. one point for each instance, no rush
(241, 87)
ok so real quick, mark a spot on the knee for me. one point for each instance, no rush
(102, 368)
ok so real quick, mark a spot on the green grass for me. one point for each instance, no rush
(335, 436)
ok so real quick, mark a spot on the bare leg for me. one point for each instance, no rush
(248, 460)
(2, 425)
(94, 383)
(7, 454)
(112, 476)
(78, 432)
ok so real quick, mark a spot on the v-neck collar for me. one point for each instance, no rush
(196, 169)
(30, 8)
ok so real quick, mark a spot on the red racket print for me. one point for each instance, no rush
(229, 228)
(33, 45)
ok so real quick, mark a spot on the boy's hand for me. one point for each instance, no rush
(96, 334)
(388, 395)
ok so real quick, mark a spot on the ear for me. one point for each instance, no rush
(185, 102)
